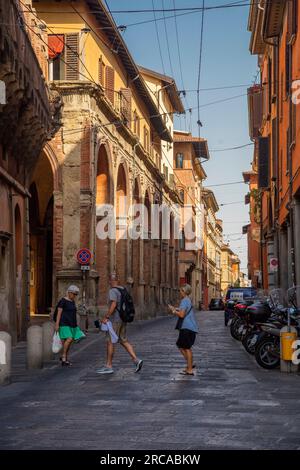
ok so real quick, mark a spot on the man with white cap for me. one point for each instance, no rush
(114, 302)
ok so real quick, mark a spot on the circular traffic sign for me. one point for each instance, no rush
(84, 256)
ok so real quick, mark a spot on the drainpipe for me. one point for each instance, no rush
(261, 242)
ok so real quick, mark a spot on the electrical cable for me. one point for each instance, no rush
(167, 42)
(158, 40)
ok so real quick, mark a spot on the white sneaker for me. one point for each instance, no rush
(138, 365)
(105, 370)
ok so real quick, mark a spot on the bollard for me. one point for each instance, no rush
(5, 357)
(288, 335)
(35, 347)
(48, 332)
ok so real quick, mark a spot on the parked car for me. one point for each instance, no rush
(216, 304)
(234, 295)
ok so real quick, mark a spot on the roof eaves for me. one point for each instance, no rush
(102, 16)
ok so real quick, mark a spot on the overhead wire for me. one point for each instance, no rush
(180, 64)
(158, 40)
(199, 123)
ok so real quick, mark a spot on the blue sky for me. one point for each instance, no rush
(226, 61)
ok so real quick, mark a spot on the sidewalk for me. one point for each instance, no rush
(229, 404)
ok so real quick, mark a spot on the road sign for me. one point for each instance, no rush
(274, 265)
(84, 267)
(84, 256)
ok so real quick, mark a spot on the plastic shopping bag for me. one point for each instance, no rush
(56, 343)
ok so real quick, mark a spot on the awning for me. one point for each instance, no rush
(56, 45)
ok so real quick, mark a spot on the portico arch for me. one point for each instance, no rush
(121, 224)
(41, 212)
(103, 197)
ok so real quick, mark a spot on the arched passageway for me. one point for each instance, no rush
(41, 237)
(121, 225)
(18, 267)
(103, 247)
(135, 258)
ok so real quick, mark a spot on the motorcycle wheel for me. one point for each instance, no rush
(234, 327)
(263, 353)
(246, 342)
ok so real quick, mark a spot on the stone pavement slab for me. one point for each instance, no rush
(229, 404)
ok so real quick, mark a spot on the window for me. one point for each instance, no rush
(101, 71)
(136, 124)
(125, 94)
(166, 172)
(288, 69)
(181, 195)
(63, 53)
(72, 56)
(179, 160)
(146, 139)
(110, 83)
(182, 241)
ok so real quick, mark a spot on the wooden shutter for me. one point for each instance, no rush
(101, 71)
(292, 23)
(110, 83)
(263, 162)
(126, 104)
(72, 56)
(288, 69)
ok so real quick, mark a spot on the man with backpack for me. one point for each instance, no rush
(120, 312)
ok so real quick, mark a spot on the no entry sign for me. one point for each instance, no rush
(84, 256)
(274, 265)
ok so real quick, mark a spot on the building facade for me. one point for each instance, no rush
(274, 127)
(103, 159)
(189, 174)
(214, 242)
(25, 125)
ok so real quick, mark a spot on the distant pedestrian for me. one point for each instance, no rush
(119, 326)
(187, 326)
(66, 322)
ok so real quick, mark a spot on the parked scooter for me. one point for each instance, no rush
(267, 347)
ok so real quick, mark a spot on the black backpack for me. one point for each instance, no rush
(127, 310)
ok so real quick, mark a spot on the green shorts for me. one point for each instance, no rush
(66, 332)
(120, 329)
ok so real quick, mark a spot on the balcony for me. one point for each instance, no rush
(273, 18)
(25, 114)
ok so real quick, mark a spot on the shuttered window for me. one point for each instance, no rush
(263, 162)
(292, 19)
(101, 71)
(136, 124)
(126, 105)
(72, 56)
(110, 83)
(288, 69)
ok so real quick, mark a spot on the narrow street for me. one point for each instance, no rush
(230, 403)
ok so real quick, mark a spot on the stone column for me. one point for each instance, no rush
(283, 258)
(297, 238)
(289, 258)
(271, 254)
(5, 357)
(35, 347)
(48, 332)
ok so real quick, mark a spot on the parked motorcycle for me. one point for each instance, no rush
(267, 345)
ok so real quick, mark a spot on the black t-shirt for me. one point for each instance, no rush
(68, 316)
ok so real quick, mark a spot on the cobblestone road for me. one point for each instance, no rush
(229, 404)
